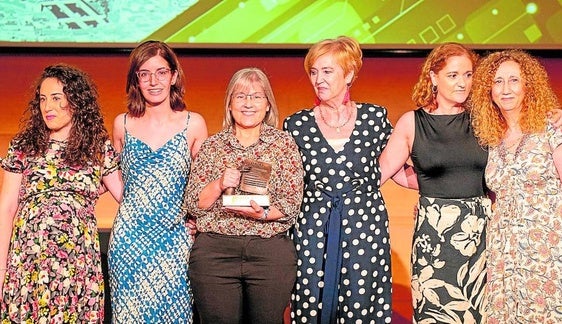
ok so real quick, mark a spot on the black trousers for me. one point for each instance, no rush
(242, 279)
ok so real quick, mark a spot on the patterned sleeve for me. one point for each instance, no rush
(554, 136)
(386, 127)
(110, 159)
(14, 161)
(288, 181)
(203, 170)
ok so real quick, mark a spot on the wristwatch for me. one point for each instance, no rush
(265, 213)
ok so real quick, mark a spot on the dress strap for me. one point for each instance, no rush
(125, 122)
(187, 121)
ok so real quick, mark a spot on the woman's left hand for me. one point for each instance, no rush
(191, 226)
(253, 211)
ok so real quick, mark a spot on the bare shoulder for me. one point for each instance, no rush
(196, 118)
(119, 123)
(197, 125)
(406, 120)
(119, 119)
(118, 132)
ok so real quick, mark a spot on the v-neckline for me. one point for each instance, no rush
(325, 140)
(153, 150)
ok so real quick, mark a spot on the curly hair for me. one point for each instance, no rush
(437, 60)
(345, 50)
(87, 133)
(487, 120)
(136, 104)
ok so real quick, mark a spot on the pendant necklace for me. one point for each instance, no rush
(336, 127)
(503, 149)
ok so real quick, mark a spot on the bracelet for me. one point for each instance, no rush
(265, 213)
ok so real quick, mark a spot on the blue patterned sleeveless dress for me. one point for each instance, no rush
(150, 242)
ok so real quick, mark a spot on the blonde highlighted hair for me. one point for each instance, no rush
(242, 80)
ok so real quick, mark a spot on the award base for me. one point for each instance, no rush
(244, 200)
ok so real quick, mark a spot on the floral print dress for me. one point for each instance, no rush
(448, 246)
(54, 265)
(525, 232)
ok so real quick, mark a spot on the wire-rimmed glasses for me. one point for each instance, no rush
(160, 74)
(257, 97)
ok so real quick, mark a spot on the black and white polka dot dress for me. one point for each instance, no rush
(341, 234)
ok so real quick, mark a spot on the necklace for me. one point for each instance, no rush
(336, 127)
(503, 149)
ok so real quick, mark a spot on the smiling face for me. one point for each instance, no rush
(156, 88)
(248, 106)
(55, 108)
(453, 82)
(328, 79)
(508, 91)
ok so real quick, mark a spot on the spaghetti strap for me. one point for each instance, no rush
(125, 122)
(187, 121)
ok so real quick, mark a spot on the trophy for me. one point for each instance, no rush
(253, 184)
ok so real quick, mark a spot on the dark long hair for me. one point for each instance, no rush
(87, 133)
(142, 53)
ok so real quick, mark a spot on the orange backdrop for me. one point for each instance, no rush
(383, 80)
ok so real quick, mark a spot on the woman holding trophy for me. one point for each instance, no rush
(245, 189)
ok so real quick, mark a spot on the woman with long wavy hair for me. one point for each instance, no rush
(50, 262)
(511, 100)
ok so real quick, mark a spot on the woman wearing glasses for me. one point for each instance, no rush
(243, 264)
(150, 241)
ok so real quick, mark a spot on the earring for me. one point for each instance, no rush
(434, 89)
(317, 101)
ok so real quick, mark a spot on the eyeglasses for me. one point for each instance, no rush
(257, 97)
(160, 74)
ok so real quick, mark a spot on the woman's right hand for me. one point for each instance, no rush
(230, 179)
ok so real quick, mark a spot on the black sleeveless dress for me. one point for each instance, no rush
(448, 253)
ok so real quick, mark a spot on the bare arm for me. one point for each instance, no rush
(198, 132)
(114, 183)
(258, 212)
(406, 177)
(9, 195)
(213, 191)
(397, 151)
(119, 133)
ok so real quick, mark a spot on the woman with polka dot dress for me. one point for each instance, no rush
(341, 235)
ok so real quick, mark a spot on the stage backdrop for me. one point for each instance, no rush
(282, 23)
(383, 80)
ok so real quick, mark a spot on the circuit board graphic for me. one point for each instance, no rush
(212, 23)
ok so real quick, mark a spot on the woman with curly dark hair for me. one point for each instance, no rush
(50, 263)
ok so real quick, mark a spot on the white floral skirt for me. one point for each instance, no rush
(449, 260)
